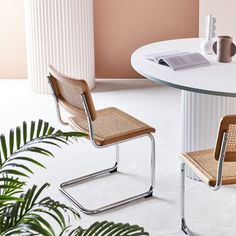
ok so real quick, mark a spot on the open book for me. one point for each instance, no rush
(178, 60)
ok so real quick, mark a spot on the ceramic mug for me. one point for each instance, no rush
(224, 48)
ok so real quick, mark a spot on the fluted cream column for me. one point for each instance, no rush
(59, 32)
(201, 114)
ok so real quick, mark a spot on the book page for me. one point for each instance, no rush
(178, 60)
(186, 60)
(156, 56)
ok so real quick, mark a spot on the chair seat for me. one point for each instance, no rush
(204, 165)
(112, 125)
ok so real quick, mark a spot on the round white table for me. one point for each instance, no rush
(208, 92)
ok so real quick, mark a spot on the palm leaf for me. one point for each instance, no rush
(32, 129)
(4, 198)
(45, 128)
(44, 227)
(50, 130)
(39, 128)
(10, 186)
(24, 139)
(38, 150)
(11, 180)
(1, 160)
(24, 131)
(11, 140)
(18, 166)
(18, 137)
(12, 172)
(29, 214)
(3, 146)
(106, 228)
(27, 159)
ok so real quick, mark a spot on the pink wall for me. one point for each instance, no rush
(121, 26)
(12, 40)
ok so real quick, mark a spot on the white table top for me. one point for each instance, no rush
(216, 79)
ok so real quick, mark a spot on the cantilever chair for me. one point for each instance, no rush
(215, 167)
(105, 127)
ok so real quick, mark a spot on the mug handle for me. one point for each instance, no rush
(214, 47)
(233, 49)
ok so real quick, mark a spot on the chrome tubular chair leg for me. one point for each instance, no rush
(153, 161)
(184, 226)
(105, 172)
(153, 165)
(117, 159)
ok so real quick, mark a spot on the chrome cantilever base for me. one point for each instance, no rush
(108, 171)
(217, 186)
(104, 208)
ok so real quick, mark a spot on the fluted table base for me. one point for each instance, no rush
(201, 114)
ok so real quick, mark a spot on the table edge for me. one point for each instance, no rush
(186, 88)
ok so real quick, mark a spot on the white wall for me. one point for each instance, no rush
(12, 40)
(225, 13)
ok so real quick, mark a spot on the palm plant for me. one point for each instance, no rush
(25, 212)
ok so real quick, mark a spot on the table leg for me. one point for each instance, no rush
(201, 114)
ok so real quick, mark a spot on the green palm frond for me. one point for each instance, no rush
(15, 150)
(106, 228)
(10, 186)
(22, 138)
(33, 215)
(27, 214)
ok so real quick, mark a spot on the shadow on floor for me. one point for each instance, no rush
(103, 85)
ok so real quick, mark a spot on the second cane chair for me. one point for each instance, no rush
(215, 167)
(105, 127)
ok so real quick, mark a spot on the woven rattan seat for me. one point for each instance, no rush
(204, 164)
(112, 125)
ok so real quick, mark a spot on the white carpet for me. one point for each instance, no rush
(208, 213)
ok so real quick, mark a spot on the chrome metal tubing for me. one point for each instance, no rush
(146, 194)
(184, 226)
(107, 207)
(89, 176)
(153, 161)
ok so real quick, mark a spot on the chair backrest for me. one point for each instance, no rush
(227, 124)
(68, 91)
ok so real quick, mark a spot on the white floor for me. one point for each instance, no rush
(208, 213)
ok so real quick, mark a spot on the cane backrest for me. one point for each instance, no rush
(227, 124)
(68, 91)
